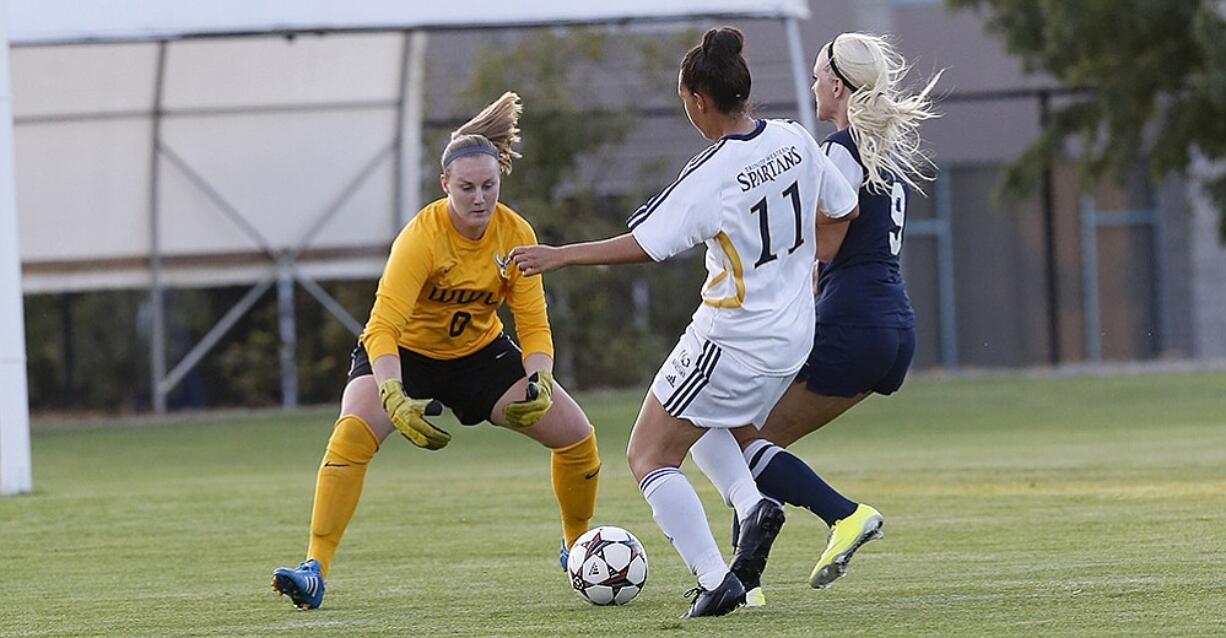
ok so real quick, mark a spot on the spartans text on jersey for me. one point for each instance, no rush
(768, 169)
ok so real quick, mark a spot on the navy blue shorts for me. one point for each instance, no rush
(849, 360)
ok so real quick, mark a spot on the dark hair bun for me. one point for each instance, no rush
(716, 68)
(723, 41)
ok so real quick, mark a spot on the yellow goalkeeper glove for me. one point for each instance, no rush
(408, 415)
(522, 414)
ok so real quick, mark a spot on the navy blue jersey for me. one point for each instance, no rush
(862, 285)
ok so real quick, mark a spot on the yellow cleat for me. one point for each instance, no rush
(846, 536)
(755, 598)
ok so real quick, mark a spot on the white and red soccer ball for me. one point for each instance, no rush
(607, 566)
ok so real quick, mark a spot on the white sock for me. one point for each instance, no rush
(719, 457)
(678, 512)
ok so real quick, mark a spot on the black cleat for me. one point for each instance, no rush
(720, 601)
(754, 540)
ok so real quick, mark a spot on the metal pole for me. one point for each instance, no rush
(804, 99)
(215, 334)
(1089, 280)
(398, 184)
(16, 476)
(640, 293)
(289, 336)
(1049, 243)
(945, 271)
(224, 207)
(157, 332)
(1161, 320)
(327, 301)
(335, 206)
(412, 114)
(70, 349)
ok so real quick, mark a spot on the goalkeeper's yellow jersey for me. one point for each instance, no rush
(440, 291)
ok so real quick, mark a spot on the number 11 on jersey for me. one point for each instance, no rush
(793, 193)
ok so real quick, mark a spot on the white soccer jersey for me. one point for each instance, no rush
(752, 199)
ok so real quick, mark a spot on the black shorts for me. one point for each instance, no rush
(469, 385)
(850, 360)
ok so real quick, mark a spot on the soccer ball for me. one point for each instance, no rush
(607, 566)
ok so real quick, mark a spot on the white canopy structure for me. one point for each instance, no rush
(71, 21)
(157, 148)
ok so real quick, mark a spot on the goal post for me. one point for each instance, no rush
(15, 468)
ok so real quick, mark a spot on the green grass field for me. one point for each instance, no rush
(1014, 507)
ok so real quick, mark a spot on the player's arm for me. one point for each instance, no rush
(526, 299)
(407, 268)
(837, 202)
(830, 235)
(826, 219)
(831, 231)
(537, 259)
(671, 222)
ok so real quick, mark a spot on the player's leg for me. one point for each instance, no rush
(355, 439)
(719, 456)
(798, 413)
(846, 365)
(658, 445)
(700, 386)
(574, 459)
(864, 524)
(843, 367)
(780, 474)
(563, 424)
(359, 431)
(495, 378)
(786, 477)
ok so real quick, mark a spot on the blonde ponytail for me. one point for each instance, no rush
(884, 121)
(492, 131)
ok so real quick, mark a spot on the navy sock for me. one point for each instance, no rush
(782, 476)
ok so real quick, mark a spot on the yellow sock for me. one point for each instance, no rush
(575, 472)
(339, 485)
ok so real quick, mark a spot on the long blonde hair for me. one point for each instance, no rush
(492, 131)
(884, 120)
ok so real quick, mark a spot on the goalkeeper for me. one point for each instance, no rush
(434, 339)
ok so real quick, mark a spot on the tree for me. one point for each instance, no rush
(1155, 74)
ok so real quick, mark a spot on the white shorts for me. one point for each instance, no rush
(703, 384)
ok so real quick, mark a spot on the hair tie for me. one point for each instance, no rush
(834, 67)
(469, 150)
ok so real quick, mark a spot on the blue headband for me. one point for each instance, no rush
(469, 150)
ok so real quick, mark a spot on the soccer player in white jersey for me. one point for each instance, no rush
(753, 198)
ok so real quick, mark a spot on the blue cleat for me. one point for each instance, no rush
(564, 555)
(304, 585)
